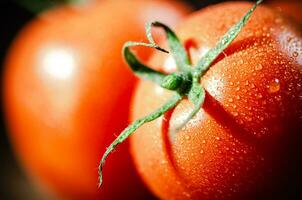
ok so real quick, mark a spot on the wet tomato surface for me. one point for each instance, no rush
(245, 141)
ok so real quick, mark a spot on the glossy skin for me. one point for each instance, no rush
(291, 8)
(67, 92)
(245, 140)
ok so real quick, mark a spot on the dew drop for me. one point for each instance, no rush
(187, 137)
(259, 67)
(274, 86)
(235, 114)
(249, 119)
(259, 96)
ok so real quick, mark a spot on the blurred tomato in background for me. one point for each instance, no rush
(57, 118)
(67, 92)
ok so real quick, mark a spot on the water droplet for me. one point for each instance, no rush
(235, 114)
(259, 96)
(259, 67)
(230, 100)
(246, 82)
(237, 97)
(249, 119)
(295, 54)
(278, 20)
(217, 138)
(187, 137)
(201, 151)
(274, 86)
(203, 141)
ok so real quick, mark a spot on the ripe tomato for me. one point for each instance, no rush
(67, 92)
(291, 8)
(244, 142)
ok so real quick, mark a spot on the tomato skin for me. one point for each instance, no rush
(244, 143)
(291, 8)
(67, 92)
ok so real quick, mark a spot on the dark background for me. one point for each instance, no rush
(13, 182)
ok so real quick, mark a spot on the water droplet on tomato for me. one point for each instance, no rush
(249, 119)
(235, 114)
(274, 86)
(187, 137)
(259, 67)
(201, 151)
(258, 96)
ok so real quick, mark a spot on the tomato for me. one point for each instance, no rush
(291, 8)
(244, 142)
(67, 92)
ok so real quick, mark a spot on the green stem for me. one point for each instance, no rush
(134, 126)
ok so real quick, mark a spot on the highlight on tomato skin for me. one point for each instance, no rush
(245, 143)
(67, 92)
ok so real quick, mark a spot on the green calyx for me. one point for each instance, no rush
(184, 83)
(172, 81)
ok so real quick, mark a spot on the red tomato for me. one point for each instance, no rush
(244, 142)
(291, 8)
(67, 92)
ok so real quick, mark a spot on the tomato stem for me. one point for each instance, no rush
(184, 83)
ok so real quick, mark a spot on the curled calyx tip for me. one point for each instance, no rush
(100, 180)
